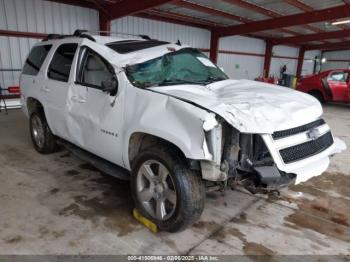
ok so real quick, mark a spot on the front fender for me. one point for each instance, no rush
(166, 117)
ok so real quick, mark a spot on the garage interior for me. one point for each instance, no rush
(57, 204)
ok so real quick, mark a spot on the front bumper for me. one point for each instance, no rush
(308, 167)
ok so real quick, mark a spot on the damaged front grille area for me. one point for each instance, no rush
(293, 131)
(304, 150)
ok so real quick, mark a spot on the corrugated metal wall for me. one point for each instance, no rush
(277, 63)
(195, 37)
(308, 65)
(336, 60)
(242, 66)
(36, 16)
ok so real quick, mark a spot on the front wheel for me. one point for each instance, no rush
(165, 190)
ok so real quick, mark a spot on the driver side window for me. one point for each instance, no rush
(94, 69)
(338, 77)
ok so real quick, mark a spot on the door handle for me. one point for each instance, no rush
(79, 100)
(45, 89)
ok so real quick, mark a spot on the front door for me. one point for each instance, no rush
(338, 82)
(95, 117)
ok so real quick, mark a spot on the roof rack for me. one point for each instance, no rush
(77, 33)
(146, 37)
(86, 34)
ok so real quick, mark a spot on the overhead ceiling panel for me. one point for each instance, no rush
(278, 6)
(326, 26)
(322, 4)
(231, 9)
(222, 21)
(301, 30)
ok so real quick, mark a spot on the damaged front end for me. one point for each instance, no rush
(241, 159)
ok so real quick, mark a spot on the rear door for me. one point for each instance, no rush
(33, 77)
(338, 82)
(59, 79)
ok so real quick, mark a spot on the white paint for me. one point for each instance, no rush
(249, 106)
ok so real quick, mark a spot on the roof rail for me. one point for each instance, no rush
(86, 34)
(77, 33)
(146, 37)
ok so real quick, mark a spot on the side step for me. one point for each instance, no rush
(98, 162)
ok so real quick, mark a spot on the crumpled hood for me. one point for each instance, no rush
(250, 106)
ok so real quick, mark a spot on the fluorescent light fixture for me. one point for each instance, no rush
(341, 22)
(323, 60)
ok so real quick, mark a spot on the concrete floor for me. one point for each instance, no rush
(57, 204)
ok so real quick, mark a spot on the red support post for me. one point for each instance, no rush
(105, 23)
(267, 60)
(300, 61)
(214, 47)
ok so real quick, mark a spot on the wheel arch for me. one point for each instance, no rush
(317, 91)
(34, 105)
(138, 141)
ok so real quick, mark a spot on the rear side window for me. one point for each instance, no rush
(61, 62)
(35, 60)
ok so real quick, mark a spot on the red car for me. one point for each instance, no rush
(331, 85)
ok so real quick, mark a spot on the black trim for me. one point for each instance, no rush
(326, 86)
(300, 129)
(88, 85)
(308, 149)
(49, 69)
(129, 46)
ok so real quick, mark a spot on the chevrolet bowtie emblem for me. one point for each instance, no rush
(313, 134)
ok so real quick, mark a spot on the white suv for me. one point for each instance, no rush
(166, 113)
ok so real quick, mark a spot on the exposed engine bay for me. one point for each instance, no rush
(245, 161)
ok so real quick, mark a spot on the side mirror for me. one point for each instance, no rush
(110, 86)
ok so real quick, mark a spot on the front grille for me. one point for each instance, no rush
(310, 148)
(289, 132)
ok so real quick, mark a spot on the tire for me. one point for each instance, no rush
(43, 140)
(318, 95)
(181, 182)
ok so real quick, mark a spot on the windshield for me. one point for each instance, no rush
(186, 66)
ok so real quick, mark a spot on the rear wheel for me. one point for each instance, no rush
(165, 190)
(43, 140)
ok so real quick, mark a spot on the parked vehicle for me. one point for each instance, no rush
(328, 86)
(169, 115)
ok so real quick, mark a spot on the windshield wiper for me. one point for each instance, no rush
(212, 79)
(179, 82)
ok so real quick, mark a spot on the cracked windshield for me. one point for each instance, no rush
(186, 66)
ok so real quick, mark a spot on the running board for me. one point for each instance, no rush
(98, 162)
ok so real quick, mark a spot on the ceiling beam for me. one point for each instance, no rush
(306, 8)
(170, 20)
(286, 21)
(131, 7)
(211, 11)
(329, 46)
(216, 12)
(266, 12)
(185, 18)
(312, 37)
